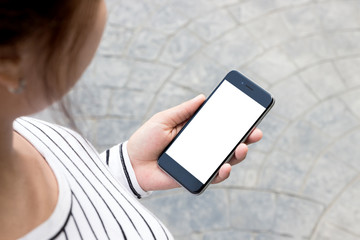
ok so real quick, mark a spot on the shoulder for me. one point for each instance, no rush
(36, 128)
(52, 137)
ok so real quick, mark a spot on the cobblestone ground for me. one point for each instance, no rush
(302, 181)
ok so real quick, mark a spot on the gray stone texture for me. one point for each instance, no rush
(302, 181)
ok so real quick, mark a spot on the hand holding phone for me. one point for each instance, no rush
(149, 141)
(208, 140)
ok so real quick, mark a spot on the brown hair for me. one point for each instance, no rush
(58, 29)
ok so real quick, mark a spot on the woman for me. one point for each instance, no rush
(54, 185)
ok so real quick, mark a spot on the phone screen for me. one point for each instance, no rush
(215, 131)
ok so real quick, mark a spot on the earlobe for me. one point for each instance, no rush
(20, 88)
(10, 76)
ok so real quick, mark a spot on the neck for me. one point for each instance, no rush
(7, 152)
(26, 183)
(12, 171)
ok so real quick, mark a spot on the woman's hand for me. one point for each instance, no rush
(149, 141)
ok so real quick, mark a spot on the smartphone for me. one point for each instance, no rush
(210, 137)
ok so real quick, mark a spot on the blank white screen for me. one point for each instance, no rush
(215, 131)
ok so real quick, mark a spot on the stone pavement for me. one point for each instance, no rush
(302, 181)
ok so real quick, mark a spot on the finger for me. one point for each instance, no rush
(242, 149)
(255, 136)
(223, 173)
(181, 113)
(239, 155)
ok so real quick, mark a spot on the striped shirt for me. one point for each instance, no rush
(97, 193)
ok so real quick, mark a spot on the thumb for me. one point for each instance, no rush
(183, 112)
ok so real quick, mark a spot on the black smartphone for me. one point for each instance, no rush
(210, 137)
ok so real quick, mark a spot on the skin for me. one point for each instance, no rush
(29, 191)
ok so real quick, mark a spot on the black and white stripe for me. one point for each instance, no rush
(103, 205)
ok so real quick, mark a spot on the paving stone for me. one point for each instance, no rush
(167, 20)
(200, 74)
(147, 45)
(294, 3)
(170, 96)
(344, 43)
(130, 14)
(212, 25)
(111, 131)
(192, 9)
(115, 40)
(330, 232)
(269, 236)
(187, 214)
(90, 101)
(329, 12)
(295, 216)
(221, 3)
(148, 76)
(129, 103)
(302, 20)
(293, 98)
(323, 80)
(257, 206)
(328, 177)
(308, 51)
(249, 10)
(303, 139)
(89, 75)
(285, 172)
(198, 236)
(349, 71)
(345, 213)
(87, 128)
(110, 4)
(180, 48)
(333, 118)
(345, 149)
(272, 66)
(228, 235)
(158, 3)
(270, 31)
(352, 100)
(109, 72)
(240, 48)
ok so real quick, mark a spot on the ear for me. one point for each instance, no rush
(9, 73)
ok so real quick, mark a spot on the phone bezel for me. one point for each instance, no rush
(180, 174)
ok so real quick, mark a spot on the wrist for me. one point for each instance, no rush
(132, 172)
